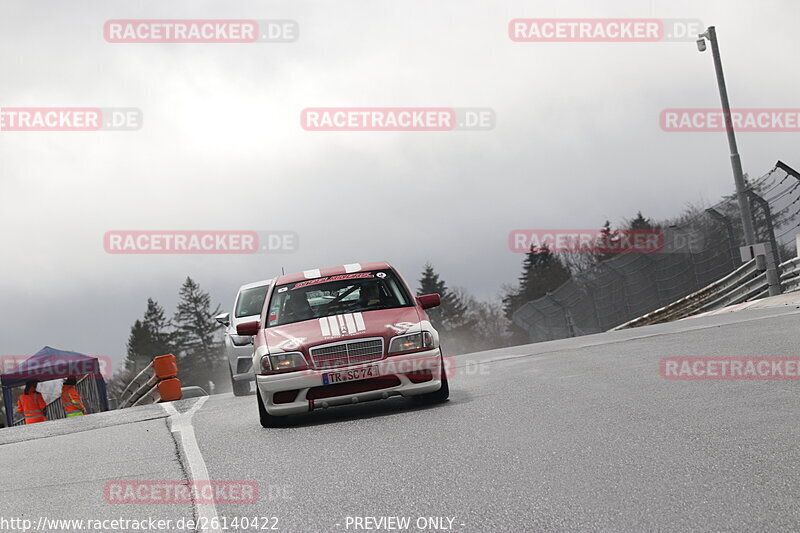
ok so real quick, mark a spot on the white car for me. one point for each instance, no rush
(192, 392)
(239, 348)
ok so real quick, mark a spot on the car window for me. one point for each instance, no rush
(333, 295)
(251, 301)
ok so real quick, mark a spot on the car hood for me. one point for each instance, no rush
(300, 336)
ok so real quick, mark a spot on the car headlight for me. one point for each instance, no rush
(241, 340)
(411, 343)
(282, 362)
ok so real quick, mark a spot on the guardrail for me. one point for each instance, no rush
(743, 284)
(158, 382)
(695, 301)
(790, 275)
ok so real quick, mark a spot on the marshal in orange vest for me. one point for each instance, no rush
(71, 399)
(31, 404)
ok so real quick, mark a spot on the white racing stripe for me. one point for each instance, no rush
(351, 324)
(323, 326)
(359, 322)
(196, 466)
(334, 325)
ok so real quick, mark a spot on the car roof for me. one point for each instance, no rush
(256, 284)
(330, 271)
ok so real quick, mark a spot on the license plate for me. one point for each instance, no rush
(349, 375)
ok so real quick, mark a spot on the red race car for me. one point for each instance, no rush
(343, 335)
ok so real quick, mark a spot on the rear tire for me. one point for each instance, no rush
(240, 388)
(267, 420)
(441, 395)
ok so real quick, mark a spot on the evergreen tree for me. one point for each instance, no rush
(451, 314)
(148, 338)
(200, 351)
(640, 223)
(542, 272)
(159, 326)
(139, 342)
(488, 328)
(609, 240)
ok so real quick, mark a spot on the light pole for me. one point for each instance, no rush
(736, 162)
(762, 264)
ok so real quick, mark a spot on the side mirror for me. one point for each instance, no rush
(248, 329)
(224, 319)
(426, 301)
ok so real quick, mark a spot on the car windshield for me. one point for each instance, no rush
(251, 301)
(334, 295)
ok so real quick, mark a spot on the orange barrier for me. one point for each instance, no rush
(158, 382)
(165, 366)
(170, 390)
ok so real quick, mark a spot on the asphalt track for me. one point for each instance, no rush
(579, 434)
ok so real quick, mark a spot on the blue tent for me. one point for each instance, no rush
(48, 364)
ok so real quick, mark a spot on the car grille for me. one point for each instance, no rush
(347, 353)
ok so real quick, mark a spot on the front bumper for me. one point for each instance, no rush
(240, 360)
(395, 376)
(242, 370)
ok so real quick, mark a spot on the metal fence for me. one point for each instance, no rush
(700, 248)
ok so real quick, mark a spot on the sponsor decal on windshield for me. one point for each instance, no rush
(326, 279)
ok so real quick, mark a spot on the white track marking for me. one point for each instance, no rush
(196, 466)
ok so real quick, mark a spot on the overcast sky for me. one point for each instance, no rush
(577, 141)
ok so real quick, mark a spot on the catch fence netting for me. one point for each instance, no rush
(700, 247)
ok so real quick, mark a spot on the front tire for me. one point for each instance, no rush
(441, 395)
(267, 420)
